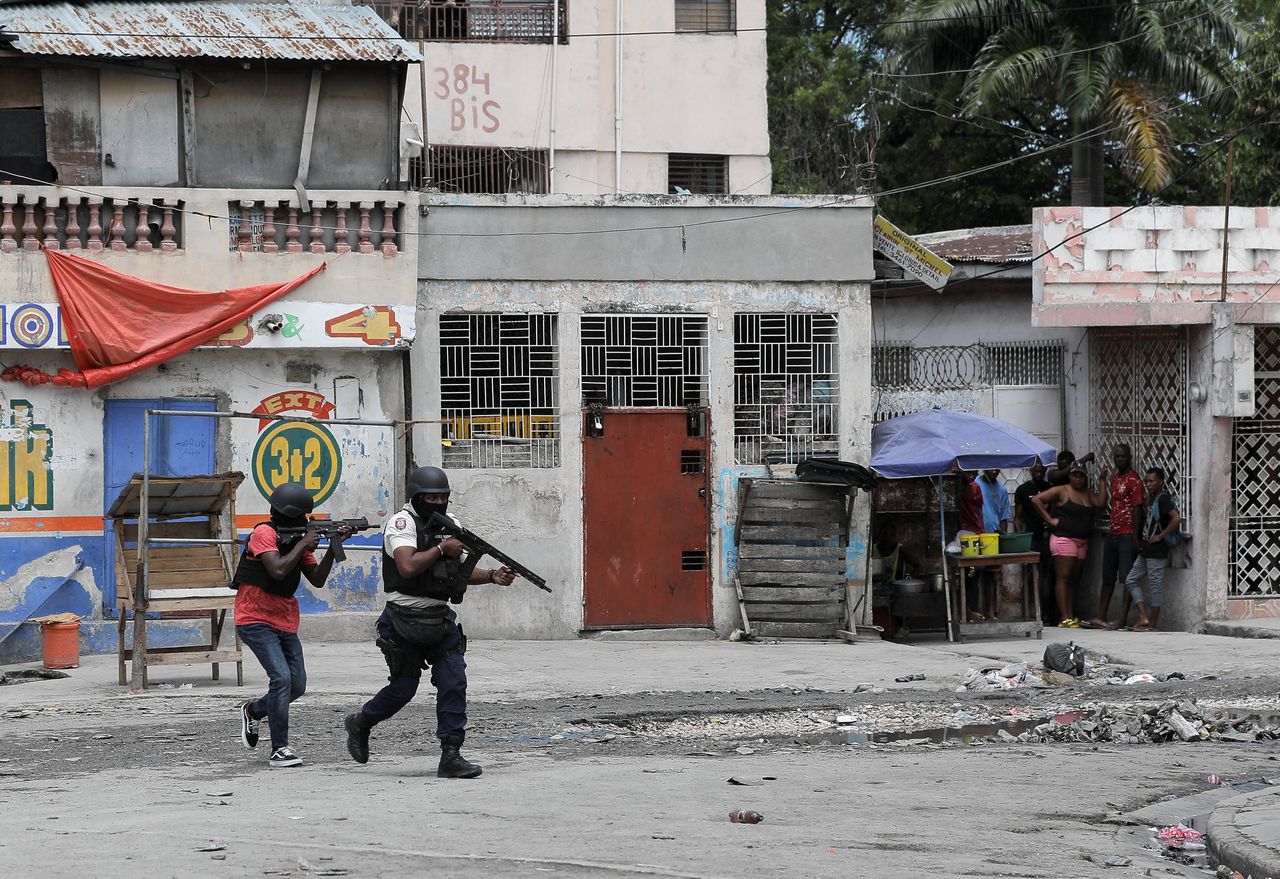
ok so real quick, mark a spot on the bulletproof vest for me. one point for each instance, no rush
(442, 581)
(252, 571)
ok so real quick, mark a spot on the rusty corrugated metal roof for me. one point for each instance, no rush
(989, 244)
(215, 30)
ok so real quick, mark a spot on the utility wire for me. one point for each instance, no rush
(816, 28)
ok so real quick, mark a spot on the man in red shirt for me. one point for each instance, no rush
(1120, 546)
(266, 613)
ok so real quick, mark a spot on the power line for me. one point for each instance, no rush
(570, 36)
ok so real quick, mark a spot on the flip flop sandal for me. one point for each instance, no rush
(1069, 623)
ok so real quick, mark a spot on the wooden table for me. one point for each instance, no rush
(1028, 625)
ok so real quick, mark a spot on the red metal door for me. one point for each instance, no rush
(647, 530)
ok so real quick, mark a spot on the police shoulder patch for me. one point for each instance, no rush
(401, 523)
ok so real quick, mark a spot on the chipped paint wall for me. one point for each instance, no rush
(681, 93)
(55, 559)
(536, 514)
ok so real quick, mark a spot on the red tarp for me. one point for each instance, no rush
(118, 325)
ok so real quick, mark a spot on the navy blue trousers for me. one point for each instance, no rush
(448, 676)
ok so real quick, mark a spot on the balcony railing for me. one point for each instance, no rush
(329, 227)
(492, 21)
(90, 223)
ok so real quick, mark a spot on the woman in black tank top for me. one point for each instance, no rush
(1074, 508)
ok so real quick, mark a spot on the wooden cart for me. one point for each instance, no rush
(188, 573)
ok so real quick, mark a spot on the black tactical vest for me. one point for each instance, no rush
(252, 571)
(441, 581)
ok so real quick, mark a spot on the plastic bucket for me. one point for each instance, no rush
(989, 544)
(970, 545)
(61, 645)
(1016, 541)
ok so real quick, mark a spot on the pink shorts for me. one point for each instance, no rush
(1068, 547)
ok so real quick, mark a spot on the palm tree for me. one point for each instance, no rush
(1114, 68)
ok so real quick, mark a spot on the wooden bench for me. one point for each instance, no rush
(183, 580)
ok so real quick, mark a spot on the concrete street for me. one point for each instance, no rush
(613, 759)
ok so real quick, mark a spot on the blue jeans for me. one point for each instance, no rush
(1153, 570)
(280, 654)
(448, 675)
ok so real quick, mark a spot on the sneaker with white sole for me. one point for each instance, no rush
(282, 757)
(248, 727)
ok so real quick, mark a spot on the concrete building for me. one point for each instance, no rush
(589, 96)
(605, 370)
(160, 141)
(1184, 365)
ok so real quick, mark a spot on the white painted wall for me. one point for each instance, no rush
(687, 93)
(536, 514)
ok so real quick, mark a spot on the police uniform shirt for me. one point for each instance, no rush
(401, 530)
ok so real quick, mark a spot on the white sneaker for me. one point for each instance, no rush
(282, 757)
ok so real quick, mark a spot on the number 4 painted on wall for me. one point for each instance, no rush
(373, 325)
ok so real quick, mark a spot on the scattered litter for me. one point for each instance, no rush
(733, 779)
(321, 871)
(906, 679)
(1213, 779)
(662, 836)
(739, 635)
(745, 817)
(212, 847)
(744, 750)
(1117, 861)
(609, 737)
(220, 856)
(224, 793)
(845, 719)
(101, 736)
(1141, 679)
(1167, 722)
(864, 687)
(1178, 836)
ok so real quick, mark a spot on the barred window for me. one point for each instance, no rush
(483, 169)
(706, 16)
(493, 21)
(644, 360)
(499, 378)
(785, 386)
(697, 174)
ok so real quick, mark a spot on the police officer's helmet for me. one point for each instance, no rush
(427, 480)
(292, 500)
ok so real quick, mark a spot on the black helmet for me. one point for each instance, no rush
(427, 480)
(292, 500)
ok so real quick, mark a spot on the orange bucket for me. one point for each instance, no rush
(61, 644)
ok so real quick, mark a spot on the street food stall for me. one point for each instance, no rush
(939, 443)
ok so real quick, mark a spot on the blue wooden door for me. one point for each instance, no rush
(180, 446)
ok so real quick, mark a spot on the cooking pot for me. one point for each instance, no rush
(933, 581)
(909, 586)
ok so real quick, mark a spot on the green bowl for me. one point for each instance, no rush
(1017, 541)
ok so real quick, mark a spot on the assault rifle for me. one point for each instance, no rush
(479, 547)
(328, 530)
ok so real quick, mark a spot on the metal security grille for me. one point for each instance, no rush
(908, 379)
(640, 360)
(1255, 480)
(706, 16)
(499, 376)
(697, 174)
(785, 386)
(476, 170)
(1138, 381)
(496, 21)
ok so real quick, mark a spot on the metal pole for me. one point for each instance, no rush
(1226, 220)
(617, 102)
(551, 114)
(946, 568)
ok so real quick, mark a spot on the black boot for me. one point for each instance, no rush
(452, 763)
(357, 736)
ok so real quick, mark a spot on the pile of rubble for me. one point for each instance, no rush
(1167, 722)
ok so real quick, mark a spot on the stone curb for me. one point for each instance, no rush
(1234, 848)
(1235, 630)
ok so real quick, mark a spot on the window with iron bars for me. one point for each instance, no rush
(785, 387)
(490, 21)
(499, 390)
(697, 174)
(706, 16)
(476, 170)
(644, 360)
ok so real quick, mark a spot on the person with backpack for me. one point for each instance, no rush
(266, 612)
(1159, 532)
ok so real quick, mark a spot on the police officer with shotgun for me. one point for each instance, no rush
(423, 571)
